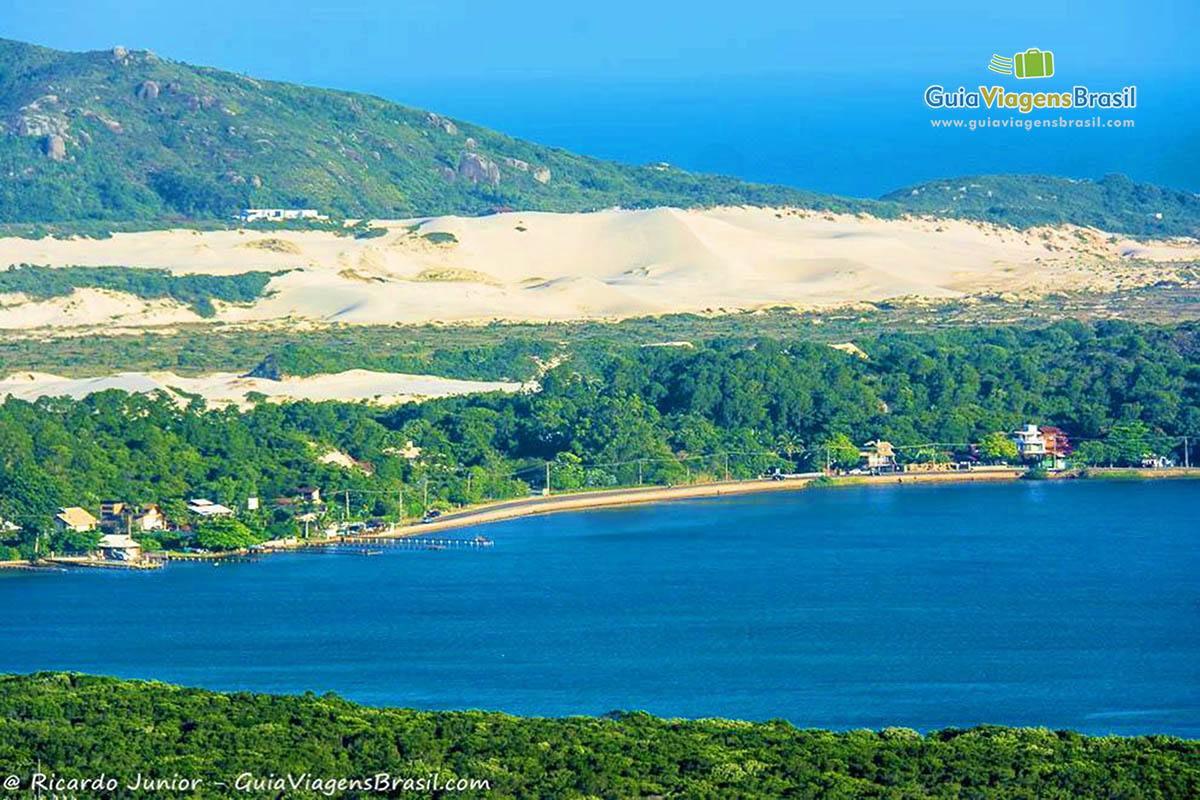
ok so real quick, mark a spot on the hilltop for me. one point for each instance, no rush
(128, 135)
(125, 136)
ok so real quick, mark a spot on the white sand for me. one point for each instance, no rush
(225, 388)
(540, 266)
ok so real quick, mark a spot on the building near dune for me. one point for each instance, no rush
(878, 457)
(308, 494)
(119, 547)
(207, 508)
(75, 519)
(118, 516)
(1031, 444)
(279, 214)
(1045, 446)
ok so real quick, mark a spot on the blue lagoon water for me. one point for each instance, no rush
(1068, 605)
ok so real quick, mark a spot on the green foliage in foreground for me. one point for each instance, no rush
(76, 726)
(196, 291)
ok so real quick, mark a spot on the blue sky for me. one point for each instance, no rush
(827, 97)
(348, 42)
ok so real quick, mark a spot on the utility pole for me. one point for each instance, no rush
(347, 504)
(727, 467)
(425, 502)
(1187, 463)
(827, 457)
(639, 472)
(547, 477)
(400, 501)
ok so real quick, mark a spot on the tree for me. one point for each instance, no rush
(1091, 454)
(225, 533)
(74, 542)
(996, 447)
(1129, 442)
(842, 453)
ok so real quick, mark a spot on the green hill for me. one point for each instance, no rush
(1114, 203)
(128, 137)
(75, 727)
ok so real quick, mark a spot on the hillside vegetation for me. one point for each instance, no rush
(126, 135)
(70, 724)
(1114, 203)
(128, 138)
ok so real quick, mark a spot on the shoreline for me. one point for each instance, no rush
(504, 510)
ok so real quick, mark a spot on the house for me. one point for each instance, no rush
(1058, 446)
(207, 508)
(147, 518)
(74, 518)
(309, 494)
(878, 456)
(119, 547)
(1030, 442)
(279, 214)
(116, 517)
(112, 513)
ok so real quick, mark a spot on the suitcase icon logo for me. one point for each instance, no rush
(1033, 63)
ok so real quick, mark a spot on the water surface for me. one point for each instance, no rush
(1065, 605)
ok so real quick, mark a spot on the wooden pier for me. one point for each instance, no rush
(96, 563)
(422, 542)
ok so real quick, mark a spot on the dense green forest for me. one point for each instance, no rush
(101, 140)
(609, 417)
(195, 291)
(76, 726)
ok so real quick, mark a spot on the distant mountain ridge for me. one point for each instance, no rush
(122, 135)
(1114, 203)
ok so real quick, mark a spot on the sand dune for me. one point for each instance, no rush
(231, 389)
(542, 266)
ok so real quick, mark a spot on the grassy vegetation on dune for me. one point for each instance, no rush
(195, 291)
(514, 350)
(75, 726)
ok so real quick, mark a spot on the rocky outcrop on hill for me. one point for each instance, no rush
(478, 169)
(542, 174)
(147, 90)
(56, 148)
(438, 121)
